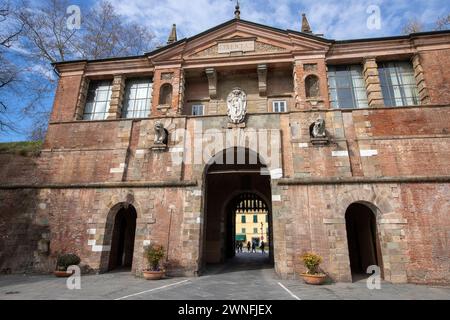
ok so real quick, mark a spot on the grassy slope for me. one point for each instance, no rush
(27, 148)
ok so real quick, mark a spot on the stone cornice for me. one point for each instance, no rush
(102, 185)
(68, 69)
(362, 180)
(138, 65)
(256, 114)
(292, 41)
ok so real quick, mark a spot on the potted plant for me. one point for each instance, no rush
(154, 254)
(313, 275)
(65, 261)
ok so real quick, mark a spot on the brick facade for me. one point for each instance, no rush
(393, 160)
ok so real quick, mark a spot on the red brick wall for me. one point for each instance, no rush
(84, 134)
(86, 151)
(88, 166)
(412, 225)
(66, 98)
(20, 232)
(409, 141)
(414, 157)
(427, 208)
(406, 121)
(436, 64)
(16, 169)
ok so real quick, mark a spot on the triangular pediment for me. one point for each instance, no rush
(241, 38)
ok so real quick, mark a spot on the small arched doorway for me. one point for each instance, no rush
(122, 240)
(362, 239)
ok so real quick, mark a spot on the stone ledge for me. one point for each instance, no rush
(334, 221)
(224, 115)
(361, 180)
(104, 185)
(393, 221)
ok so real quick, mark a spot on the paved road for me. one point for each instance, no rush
(247, 277)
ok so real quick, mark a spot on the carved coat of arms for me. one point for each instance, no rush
(237, 106)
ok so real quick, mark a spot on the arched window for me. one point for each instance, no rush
(312, 86)
(165, 95)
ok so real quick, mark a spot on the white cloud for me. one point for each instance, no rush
(346, 19)
(192, 16)
(17, 48)
(44, 71)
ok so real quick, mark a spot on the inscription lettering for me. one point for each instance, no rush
(243, 46)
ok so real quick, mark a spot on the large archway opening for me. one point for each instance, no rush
(122, 239)
(237, 210)
(362, 238)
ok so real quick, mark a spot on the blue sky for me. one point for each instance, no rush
(345, 19)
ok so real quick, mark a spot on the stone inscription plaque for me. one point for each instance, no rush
(237, 46)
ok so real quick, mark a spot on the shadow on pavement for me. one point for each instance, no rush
(241, 262)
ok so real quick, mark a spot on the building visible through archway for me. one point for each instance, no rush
(243, 177)
(249, 223)
(362, 238)
(122, 240)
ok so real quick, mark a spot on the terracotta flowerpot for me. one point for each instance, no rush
(62, 274)
(314, 279)
(153, 275)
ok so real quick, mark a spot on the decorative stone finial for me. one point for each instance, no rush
(306, 28)
(237, 12)
(173, 35)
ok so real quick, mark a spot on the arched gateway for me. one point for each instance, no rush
(236, 183)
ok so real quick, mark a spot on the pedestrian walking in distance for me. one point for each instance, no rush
(262, 247)
(253, 247)
(249, 246)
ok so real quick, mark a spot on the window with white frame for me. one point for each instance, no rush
(398, 84)
(279, 106)
(138, 98)
(347, 87)
(97, 100)
(197, 110)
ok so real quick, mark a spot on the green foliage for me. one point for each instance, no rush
(26, 148)
(154, 254)
(66, 260)
(311, 262)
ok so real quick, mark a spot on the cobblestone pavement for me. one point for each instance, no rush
(246, 277)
